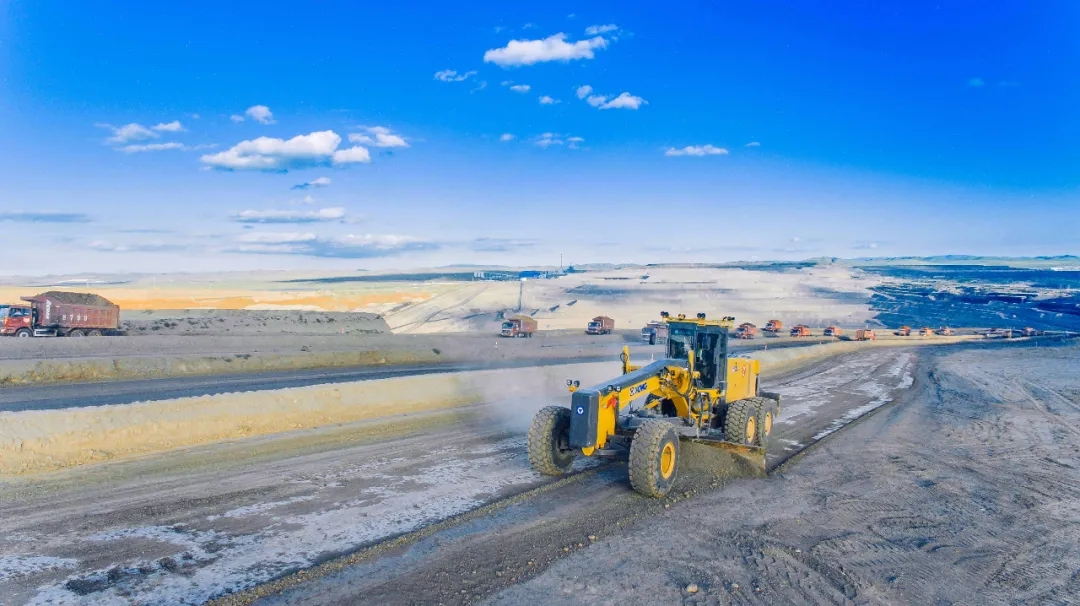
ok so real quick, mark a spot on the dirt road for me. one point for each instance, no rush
(212, 521)
(967, 492)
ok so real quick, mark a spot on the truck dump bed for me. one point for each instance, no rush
(74, 310)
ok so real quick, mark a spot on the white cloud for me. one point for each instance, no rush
(320, 182)
(596, 100)
(624, 101)
(546, 100)
(546, 140)
(383, 137)
(506, 137)
(529, 26)
(276, 237)
(696, 150)
(152, 246)
(308, 199)
(552, 48)
(128, 133)
(975, 82)
(753, 144)
(132, 149)
(236, 118)
(268, 153)
(481, 86)
(596, 30)
(353, 155)
(520, 88)
(170, 127)
(260, 114)
(345, 247)
(449, 75)
(289, 216)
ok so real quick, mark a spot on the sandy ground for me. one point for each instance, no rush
(817, 296)
(249, 322)
(968, 492)
(165, 304)
(25, 361)
(205, 522)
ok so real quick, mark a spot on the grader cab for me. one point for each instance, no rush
(698, 392)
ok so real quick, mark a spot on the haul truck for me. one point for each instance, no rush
(60, 314)
(600, 325)
(519, 326)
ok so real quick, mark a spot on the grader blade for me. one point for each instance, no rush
(721, 459)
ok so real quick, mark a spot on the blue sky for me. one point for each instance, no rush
(146, 136)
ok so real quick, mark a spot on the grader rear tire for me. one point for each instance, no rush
(549, 452)
(768, 410)
(654, 458)
(741, 424)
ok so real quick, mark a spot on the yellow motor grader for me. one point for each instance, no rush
(698, 393)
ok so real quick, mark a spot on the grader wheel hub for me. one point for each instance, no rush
(751, 430)
(667, 461)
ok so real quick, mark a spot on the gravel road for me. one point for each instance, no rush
(456, 489)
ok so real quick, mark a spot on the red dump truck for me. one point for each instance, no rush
(746, 330)
(655, 333)
(519, 326)
(60, 314)
(601, 325)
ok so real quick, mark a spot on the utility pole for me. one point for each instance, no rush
(521, 294)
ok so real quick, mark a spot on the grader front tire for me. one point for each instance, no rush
(741, 424)
(654, 458)
(549, 453)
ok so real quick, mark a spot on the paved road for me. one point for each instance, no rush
(70, 395)
(208, 522)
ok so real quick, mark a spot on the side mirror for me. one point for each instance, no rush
(569, 382)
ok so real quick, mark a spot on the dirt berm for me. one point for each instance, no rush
(44, 440)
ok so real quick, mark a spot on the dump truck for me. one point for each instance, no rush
(655, 333)
(865, 334)
(926, 331)
(944, 331)
(801, 330)
(60, 314)
(698, 393)
(1029, 332)
(746, 330)
(519, 326)
(600, 325)
(773, 326)
(903, 331)
(833, 331)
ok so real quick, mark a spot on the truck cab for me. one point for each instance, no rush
(16, 320)
(655, 333)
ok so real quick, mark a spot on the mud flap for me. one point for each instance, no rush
(721, 459)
